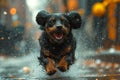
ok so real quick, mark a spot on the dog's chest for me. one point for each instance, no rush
(57, 50)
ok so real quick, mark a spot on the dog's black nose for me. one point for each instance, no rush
(59, 27)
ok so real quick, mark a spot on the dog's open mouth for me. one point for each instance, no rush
(58, 36)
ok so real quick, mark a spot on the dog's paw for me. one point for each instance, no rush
(51, 72)
(50, 67)
(63, 65)
(63, 68)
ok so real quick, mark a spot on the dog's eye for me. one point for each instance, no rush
(52, 21)
(64, 21)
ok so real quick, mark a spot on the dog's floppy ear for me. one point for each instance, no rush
(74, 19)
(41, 17)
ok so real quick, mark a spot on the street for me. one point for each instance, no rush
(12, 68)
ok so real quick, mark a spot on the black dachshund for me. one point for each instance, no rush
(57, 42)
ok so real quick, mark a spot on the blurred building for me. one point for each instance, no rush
(14, 18)
(14, 11)
(5, 17)
(22, 11)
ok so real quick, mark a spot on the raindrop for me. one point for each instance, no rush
(98, 61)
(102, 38)
(8, 37)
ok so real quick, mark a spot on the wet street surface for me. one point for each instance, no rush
(96, 67)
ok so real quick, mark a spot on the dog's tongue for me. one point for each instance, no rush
(58, 36)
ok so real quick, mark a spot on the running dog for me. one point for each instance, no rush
(57, 42)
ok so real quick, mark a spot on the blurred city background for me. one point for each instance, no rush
(98, 39)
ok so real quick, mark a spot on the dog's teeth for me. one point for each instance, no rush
(59, 37)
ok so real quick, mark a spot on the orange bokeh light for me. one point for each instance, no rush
(13, 11)
(98, 9)
(72, 4)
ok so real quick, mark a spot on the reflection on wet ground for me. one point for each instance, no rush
(85, 68)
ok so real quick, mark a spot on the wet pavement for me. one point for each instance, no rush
(85, 68)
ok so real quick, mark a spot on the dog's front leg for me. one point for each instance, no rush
(65, 62)
(70, 58)
(50, 67)
(47, 62)
(63, 65)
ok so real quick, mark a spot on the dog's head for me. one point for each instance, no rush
(58, 26)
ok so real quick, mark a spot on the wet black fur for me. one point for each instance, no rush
(73, 20)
